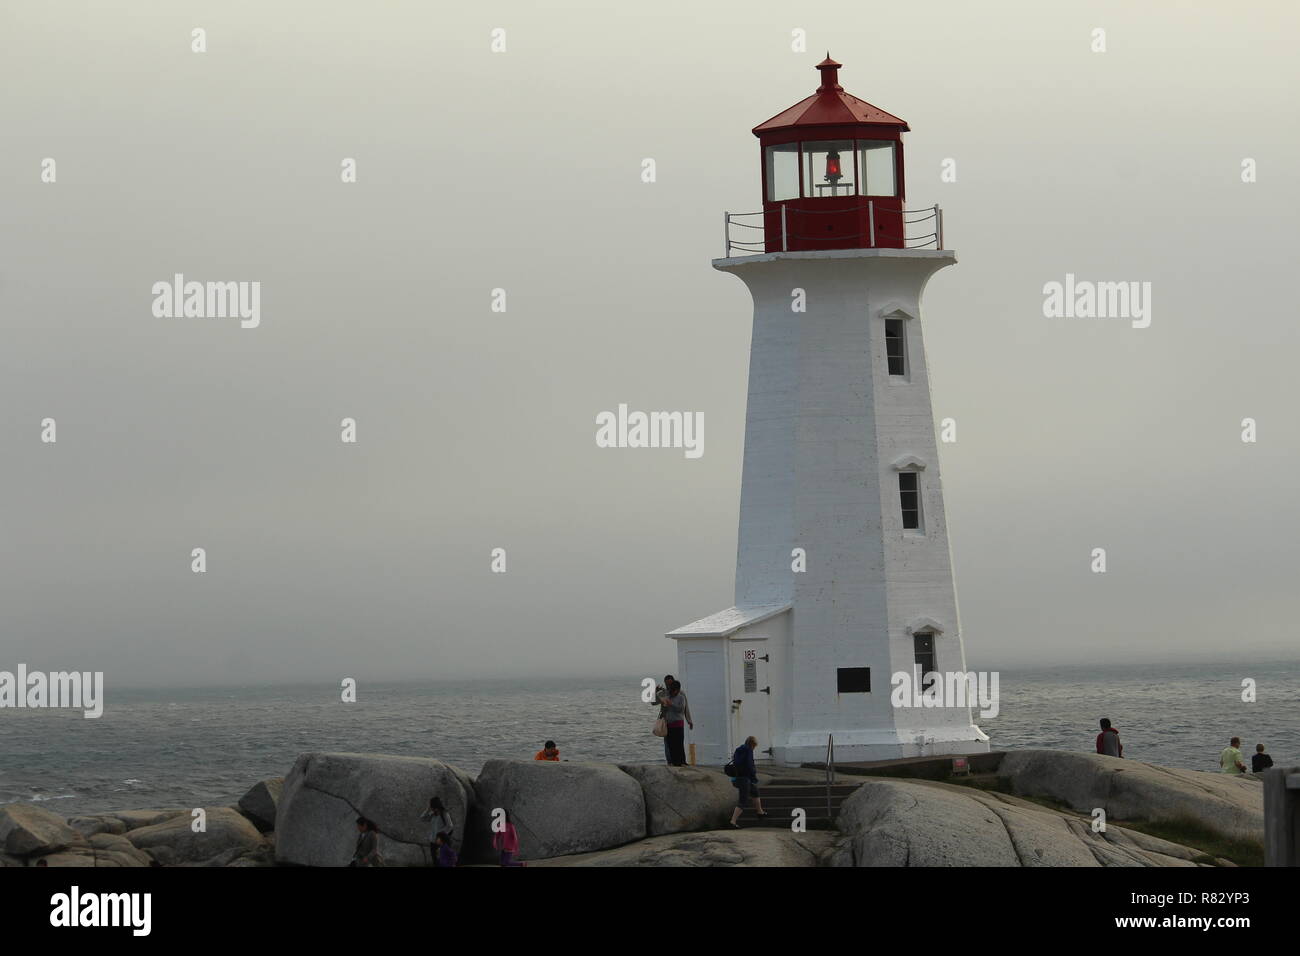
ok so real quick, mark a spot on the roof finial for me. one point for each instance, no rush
(830, 75)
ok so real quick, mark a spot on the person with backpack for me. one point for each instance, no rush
(1108, 740)
(744, 774)
(440, 825)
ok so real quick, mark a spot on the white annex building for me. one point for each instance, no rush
(843, 573)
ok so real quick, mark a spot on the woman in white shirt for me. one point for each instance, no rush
(439, 823)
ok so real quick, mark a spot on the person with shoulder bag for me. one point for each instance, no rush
(661, 725)
(367, 849)
(674, 704)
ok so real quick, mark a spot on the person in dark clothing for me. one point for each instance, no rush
(445, 855)
(660, 691)
(1260, 761)
(1108, 740)
(367, 850)
(746, 780)
(674, 705)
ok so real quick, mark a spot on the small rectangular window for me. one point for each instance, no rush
(896, 346)
(909, 494)
(853, 680)
(923, 645)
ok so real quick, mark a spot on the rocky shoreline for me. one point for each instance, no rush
(1038, 808)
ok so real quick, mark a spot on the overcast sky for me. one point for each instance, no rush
(476, 429)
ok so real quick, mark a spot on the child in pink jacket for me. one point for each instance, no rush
(507, 842)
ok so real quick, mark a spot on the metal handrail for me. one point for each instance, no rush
(830, 772)
(745, 246)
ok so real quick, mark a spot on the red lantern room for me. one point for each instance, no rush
(832, 173)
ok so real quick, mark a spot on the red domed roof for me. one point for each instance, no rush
(831, 106)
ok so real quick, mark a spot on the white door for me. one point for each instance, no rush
(751, 695)
(705, 683)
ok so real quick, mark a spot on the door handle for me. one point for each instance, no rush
(766, 690)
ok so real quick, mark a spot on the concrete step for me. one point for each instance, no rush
(811, 809)
(937, 767)
(785, 812)
(779, 799)
(775, 821)
(806, 792)
(799, 799)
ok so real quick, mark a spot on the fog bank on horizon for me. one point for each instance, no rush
(476, 428)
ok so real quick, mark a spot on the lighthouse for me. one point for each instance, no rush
(844, 571)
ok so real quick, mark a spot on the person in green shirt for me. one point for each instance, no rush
(1230, 760)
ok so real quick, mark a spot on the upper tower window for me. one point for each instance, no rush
(896, 346)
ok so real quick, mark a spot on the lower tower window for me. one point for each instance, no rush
(923, 647)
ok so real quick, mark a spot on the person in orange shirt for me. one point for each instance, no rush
(549, 752)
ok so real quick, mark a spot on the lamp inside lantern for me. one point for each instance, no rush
(833, 173)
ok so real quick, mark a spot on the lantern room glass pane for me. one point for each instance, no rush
(782, 166)
(828, 169)
(876, 168)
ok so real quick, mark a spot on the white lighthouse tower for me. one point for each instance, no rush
(844, 573)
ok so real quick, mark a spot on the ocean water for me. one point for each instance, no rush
(205, 747)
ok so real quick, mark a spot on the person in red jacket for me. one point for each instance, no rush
(1108, 740)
